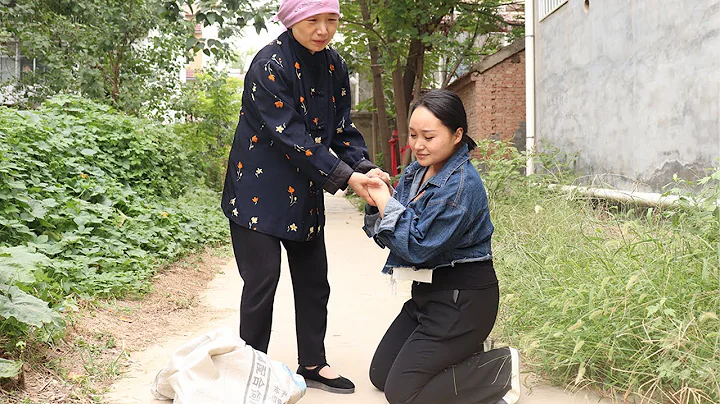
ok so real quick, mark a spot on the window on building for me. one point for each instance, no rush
(7, 68)
(12, 64)
(547, 7)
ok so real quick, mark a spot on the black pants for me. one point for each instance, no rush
(258, 260)
(432, 352)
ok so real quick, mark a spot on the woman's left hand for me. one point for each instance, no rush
(379, 192)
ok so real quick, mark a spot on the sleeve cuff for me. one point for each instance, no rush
(372, 216)
(338, 178)
(393, 210)
(363, 166)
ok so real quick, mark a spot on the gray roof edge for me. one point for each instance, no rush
(497, 57)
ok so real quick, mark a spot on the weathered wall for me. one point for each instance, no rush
(363, 123)
(632, 87)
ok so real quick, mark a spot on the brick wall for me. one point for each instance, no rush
(494, 96)
(464, 87)
(498, 103)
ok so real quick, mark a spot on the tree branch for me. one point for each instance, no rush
(471, 44)
(369, 27)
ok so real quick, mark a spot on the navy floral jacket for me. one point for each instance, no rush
(296, 109)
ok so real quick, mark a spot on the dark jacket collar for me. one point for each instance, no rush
(306, 57)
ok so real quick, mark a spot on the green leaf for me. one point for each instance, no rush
(38, 210)
(16, 184)
(9, 369)
(88, 152)
(191, 42)
(17, 264)
(259, 24)
(26, 308)
(81, 220)
(49, 203)
(26, 217)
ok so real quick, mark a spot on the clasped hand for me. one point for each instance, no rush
(374, 186)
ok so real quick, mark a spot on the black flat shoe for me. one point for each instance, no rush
(313, 379)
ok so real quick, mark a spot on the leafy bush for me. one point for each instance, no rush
(91, 201)
(125, 53)
(502, 167)
(211, 108)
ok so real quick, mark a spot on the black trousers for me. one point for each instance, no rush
(258, 260)
(432, 352)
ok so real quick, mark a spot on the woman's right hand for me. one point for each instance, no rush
(360, 183)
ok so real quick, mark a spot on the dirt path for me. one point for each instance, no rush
(361, 306)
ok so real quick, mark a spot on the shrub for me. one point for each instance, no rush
(211, 109)
(91, 202)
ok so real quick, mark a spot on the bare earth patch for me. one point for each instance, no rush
(81, 366)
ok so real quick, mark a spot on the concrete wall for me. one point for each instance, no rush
(363, 123)
(633, 87)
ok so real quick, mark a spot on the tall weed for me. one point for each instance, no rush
(618, 297)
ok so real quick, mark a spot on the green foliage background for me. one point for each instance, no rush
(91, 202)
(210, 106)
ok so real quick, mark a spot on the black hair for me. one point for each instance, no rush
(449, 109)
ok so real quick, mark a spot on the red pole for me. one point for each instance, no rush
(393, 153)
(403, 151)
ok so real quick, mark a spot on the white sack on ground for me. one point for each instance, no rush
(220, 368)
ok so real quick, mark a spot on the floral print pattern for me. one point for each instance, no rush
(293, 198)
(293, 113)
(239, 170)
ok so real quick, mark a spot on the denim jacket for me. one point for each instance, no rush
(445, 222)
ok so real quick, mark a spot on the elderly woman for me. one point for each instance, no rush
(296, 109)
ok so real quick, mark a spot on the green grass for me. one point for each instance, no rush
(594, 296)
(620, 298)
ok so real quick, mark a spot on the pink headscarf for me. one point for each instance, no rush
(293, 11)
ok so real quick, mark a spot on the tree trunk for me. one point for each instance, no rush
(375, 134)
(416, 51)
(378, 93)
(417, 90)
(115, 81)
(401, 107)
(471, 44)
(116, 62)
(419, 67)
